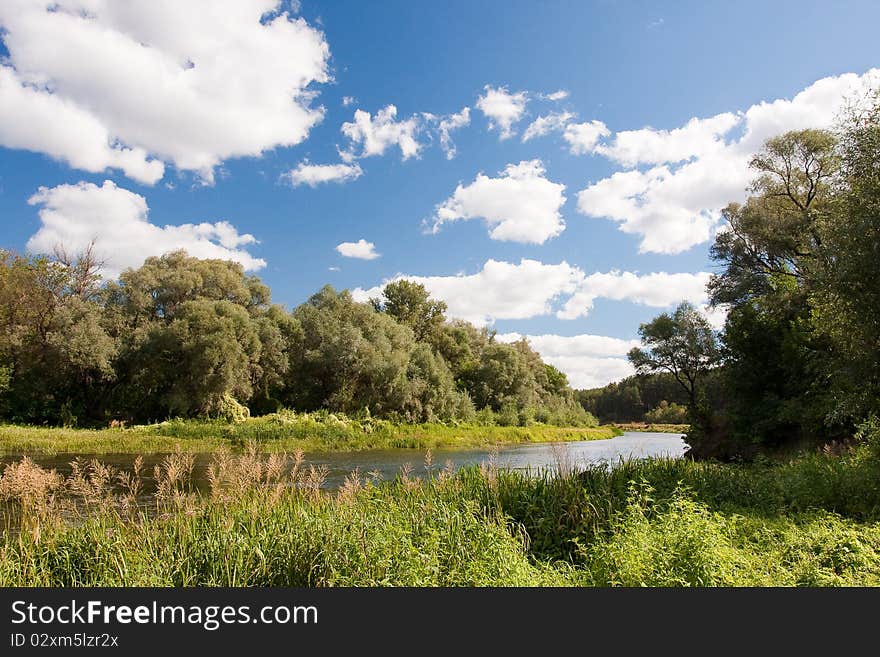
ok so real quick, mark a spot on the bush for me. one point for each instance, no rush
(666, 413)
(230, 410)
(678, 542)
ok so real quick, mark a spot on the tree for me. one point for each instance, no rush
(683, 344)
(846, 306)
(778, 233)
(348, 358)
(410, 304)
(194, 335)
(774, 258)
(54, 350)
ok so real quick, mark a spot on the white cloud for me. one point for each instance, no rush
(697, 169)
(502, 108)
(315, 174)
(362, 249)
(562, 94)
(583, 137)
(500, 290)
(504, 290)
(589, 361)
(450, 123)
(348, 100)
(376, 135)
(34, 120)
(546, 124)
(103, 84)
(74, 215)
(521, 205)
(697, 138)
(658, 290)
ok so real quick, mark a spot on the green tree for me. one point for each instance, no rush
(194, 335)
(349, 357)
(846, 307)
(778, 233)
(53, 347)
(411, 305)
(774, 258)
(683, 344)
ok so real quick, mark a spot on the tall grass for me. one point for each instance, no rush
(267, 521)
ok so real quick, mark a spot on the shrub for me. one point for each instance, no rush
(230, 410)
(666, 413)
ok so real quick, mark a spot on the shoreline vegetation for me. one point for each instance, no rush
(652, 427)
(266, 521)
(284, 431)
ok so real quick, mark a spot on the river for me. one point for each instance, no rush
(389, 462)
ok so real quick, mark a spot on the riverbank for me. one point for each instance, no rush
(811, 521)
(653, 428)
(282, 432)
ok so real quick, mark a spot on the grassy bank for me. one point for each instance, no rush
(281, 432)
(813, 520)
(653, 428)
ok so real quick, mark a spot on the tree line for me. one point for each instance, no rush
(798, 359)
(186, 337)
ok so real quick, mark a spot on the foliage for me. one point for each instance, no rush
(267, 521)
(799, 276)
(666, 413)
(684, 345)
(629, 399)
(188, 337)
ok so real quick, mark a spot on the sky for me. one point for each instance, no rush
(553, 170)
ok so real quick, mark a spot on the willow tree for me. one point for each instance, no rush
(683, 344)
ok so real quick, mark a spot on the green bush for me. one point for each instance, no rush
(666, 413)
(230, 410)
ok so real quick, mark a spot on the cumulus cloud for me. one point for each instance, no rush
(697, 138)
(316, 174)
(562, 94)
(116, 219)
(678, 180)
(362, 249)
(35, 120)
(374, 135)
(658, 290)
(450, 123)
(502, 108)
(521, 205)
(103, 84)
(348, 100)
(500, 290)
(589, 361)
(546, 124)
(530, 288)
(583, 137)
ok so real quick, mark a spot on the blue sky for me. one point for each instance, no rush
(199, 114)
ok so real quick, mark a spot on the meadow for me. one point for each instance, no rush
(810, 520)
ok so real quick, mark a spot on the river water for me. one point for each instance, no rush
(388, 463)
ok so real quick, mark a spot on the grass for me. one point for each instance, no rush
(653, 427)
(280, 432)
(813, 520)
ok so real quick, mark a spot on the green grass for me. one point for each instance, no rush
(813, 520)
(281, 432)
(653, 427)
